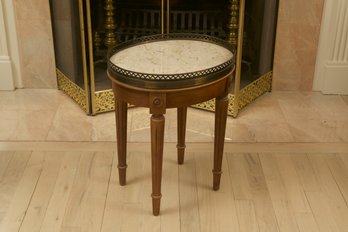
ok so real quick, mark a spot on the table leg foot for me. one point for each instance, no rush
(122, 175)
(216, 180)
(156, 204)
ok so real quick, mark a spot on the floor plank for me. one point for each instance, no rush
(189, 211)
(170, 213)
(246, 216)
(22, 197)
(239, 176)
(292, 183)
(64, 184)
(78, 190)
(305, 172)
(114, 208)
(85, 207)
(5, 158)
(217, 209)
(321, 211)
(10, 179)
(278, 192)
(265, 214)
(43, 192)
(330, 191)
(340, 173)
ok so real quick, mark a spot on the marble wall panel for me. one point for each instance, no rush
(296, 44)
(35, 43)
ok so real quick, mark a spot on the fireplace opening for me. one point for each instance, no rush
(85, 30)
(137, 18)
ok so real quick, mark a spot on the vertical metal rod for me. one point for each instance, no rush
(90, 51)
(162, 17)
(239, 54)
(168, 16)
(84, 57)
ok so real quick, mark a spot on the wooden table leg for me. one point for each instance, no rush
(157, 139)
(221, 105)
(121, 133)
(182, 113)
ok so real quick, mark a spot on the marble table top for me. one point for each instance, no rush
(171, 56)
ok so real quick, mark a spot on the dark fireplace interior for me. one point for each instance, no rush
(139, 18)
(131, 19)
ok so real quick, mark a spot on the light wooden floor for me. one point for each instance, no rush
(74, 187)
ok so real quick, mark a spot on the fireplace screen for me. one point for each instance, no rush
(84, 30)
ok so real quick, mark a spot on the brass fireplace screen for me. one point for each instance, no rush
(84, 30)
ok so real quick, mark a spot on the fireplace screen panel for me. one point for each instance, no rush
(83, 38)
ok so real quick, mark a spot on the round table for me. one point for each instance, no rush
(170, 71)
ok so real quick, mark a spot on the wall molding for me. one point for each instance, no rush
(331, 71)
(9, 52)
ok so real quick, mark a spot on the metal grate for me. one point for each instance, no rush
(134, 23)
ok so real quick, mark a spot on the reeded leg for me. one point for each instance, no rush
(121, 133)
(157, 139)
(182, 113)
(221, 105)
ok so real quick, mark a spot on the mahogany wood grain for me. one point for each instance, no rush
(221, 105)
(158, 100)
(182, 114)
(121, 134)
(157, 139)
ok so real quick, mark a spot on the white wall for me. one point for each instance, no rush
(10, 73)
(331, 73)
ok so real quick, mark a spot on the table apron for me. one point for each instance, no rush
(173, 98)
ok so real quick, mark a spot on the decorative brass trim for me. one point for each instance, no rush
(255, 89)
(233, 22)
(91, 59)
(104, 101)
(71, 89)
(84, 57)
(162, 17)
(238, 73)
(109, 24)
(248, 94)
(168, 16)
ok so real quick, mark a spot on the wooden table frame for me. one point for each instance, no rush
(158, 100)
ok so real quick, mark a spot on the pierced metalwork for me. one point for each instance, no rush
(148, 80)
(246, 96)
(71, 89)
(255, 89)
(104, 101)
(168, 77)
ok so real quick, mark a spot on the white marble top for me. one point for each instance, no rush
(171, 57)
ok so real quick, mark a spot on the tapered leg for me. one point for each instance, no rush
(221, 105)
(157, 139)
(182, 113)
(121, 133)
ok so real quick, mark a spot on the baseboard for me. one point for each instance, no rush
(6, 78)
(336, 81)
